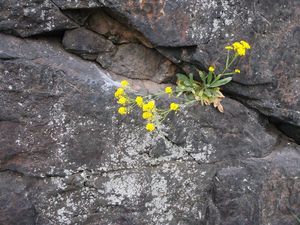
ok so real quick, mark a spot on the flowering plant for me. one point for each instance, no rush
(206, 90)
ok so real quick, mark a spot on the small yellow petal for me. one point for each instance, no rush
(150, 127)
(122, 100)
(237, 71)
(139, 101)
(245, 44)
(211, 69)
(147, 115)
(124, 83)
(241, 51)
(119, 92)
(174, 106)
(237, 45)
(168, 90)
(122, 110)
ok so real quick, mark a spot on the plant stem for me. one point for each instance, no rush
(229, 64)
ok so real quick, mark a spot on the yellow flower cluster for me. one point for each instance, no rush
(168, 90)
(119, 93)
(148, 114)
(149, 107)
(139, 101)
(174, 106)
(240, 48)
(122, 110)
(124, 83)
(122, 98)
(150, 127)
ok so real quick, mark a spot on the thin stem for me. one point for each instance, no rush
(165, 116)
(231, 73)
(229, 64)
(227, 59)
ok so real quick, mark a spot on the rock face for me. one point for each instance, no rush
(195, 31)
(86, 43)
(138, 62)
(105, 25)
(25, 18)
(67, 157)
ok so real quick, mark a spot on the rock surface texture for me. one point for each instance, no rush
(67, 157)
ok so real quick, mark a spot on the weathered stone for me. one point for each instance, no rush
(15, 205)
(201, 29)
(86, 43)
(26, 18)
(138, 62)
(80, 16)
(260, 191)
(185, 23)
(82, 163)
(206, 139)
(77, 4)
(118, 33)
(66, 157)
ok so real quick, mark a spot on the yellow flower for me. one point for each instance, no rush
(122, 100)
(150, 127)
(211, 69)
(168, 90)
(245, 44)
(174, 106)
(150, 106)
(147, 115)
(229, 47)
(119, 92)
(124, 83)
(241, 51)
(139, 101)
(240, 47)
(237, 71)
(237, 45)
(122, 110)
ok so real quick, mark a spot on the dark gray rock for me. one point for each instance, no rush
(212, 137)
(186, 23)
(49, 100)
(260, 191)
(72, 159)
(16, 207)
(67, 157)
(194, 32)
(27, 18)
(77, 4)
(86, 43)
(138, 62)
(118, 33)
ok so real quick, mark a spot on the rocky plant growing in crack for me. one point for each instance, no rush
(188, 91)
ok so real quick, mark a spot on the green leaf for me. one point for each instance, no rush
(208, 93)
(191, 76)
(218, 77)
(179, 93)
(221, 82)
(181, 77)
(202, 76)
(185, 79)
(209, 78)
(200, 93)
